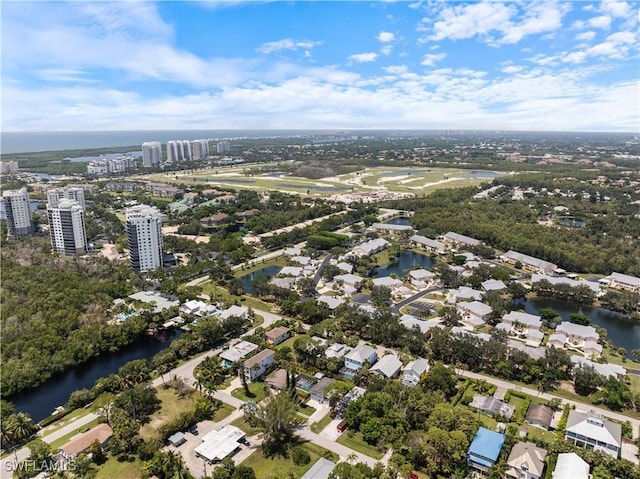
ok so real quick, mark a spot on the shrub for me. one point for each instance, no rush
(300, 456)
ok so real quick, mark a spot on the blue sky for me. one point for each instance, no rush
(526, 65)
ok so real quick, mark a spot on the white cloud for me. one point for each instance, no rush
(616, 8)
(430, 59)
(496, 23)
(364, 57)
(385, 37)
(602, 21)
(287, 44)
(615, 46)
(586, 36)
(386, 49)
(396, 69)
(511, 69)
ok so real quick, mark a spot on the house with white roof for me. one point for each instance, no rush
(344, 266)
(592, 431)
(624, 281)
(410, 322)
(413, 371)
(391, 228)
(428, 244)
(456, 239)
(357, 358)
(199, 308)
(387, 367)
(555, 280)
(234, 310)
(371, 247)
(320, 470)
(570, 466)
(463, 293)
(421, 277)
(493, 285)
(237, 353)
(604, 369)
(331, 302)
(349, 279)
(577, 334)
(337, 350)
(474, 313)
(301, 260)
(523, 325)
(388, 282)
(216, 445)
(290, 271)
(529, 263)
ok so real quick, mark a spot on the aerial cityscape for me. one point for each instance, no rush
(320, 240)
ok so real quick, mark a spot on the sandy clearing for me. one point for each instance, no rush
(385, 179)
(426, 185)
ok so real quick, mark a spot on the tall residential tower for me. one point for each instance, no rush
(151, 154)
(144, 231)
(54, 196)
(16, 206)
(66, 227)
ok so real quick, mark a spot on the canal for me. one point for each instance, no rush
(41, 401)
(621, 330)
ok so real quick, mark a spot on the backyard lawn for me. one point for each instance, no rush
(122, 470)
(278, 467)
(354, 441)
(256, 390)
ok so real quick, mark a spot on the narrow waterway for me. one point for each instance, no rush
(406, 260)
(40, 402)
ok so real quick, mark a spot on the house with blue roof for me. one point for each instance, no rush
(484, 450)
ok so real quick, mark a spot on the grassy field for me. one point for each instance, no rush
(278, 467)
(256, 389)
(222, 412)
(122, 470)
(354, 441)
(240, 423)
(221, 294)
(172, 406)
(404, 179)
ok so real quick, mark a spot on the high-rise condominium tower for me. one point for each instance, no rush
(144, 231)
(66, 227)
(56, 194)
(151, 154)
(16, 206)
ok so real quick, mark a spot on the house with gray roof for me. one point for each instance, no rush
(526, 461)
(237, 353)
(428, 244)
(371, 247)
(318, 390)
(463, 293)
(492, 406)
(474, 313)
(555, 280)
(331, 302)
(459, 240)
(577, 334)
(320, 470)
(529, 263)
(413, 371)
(410, 322)
(391, 228)
(355, 360)
(349, 279)
(592, 431)
(387, 367)
(540, 415)
(493, 285)
(570, 466)
(624, 281)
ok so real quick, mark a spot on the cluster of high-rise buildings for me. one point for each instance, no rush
(8, 167)
(115, 165)
(66, 215)
(178, 151)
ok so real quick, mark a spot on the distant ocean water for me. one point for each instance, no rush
(26, 142)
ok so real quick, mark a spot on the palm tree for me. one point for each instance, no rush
(499, 470)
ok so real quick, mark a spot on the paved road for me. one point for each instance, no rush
(396, 307)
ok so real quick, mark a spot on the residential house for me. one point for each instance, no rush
(371, 247)
(331, 302)
(357, 358)
(555, 280)
(474, 313)
(429, 244)
(349, 279)
(391, 228)
(237, 353)
(320, 470)
(607, 370)
(387, 367)
(257, 365)
(463, 293)
(492, 406)
(493, 285)
(484, 450)
(420, 278)
(318, 390)
(216, 445)
(163, 190)
(388, 282)
(592, 431)
(290, 271)
(570, 466)
(288, 283)
(577, 334)
(343, 266)
(277, 379)
(456, 239)
(529, 263)
(413, 371)
(277, 335)
(101, 433)
(526, 461)
(523, 325)
(212, 222)
(410, 322)
(237, 311)
(540, 415)
(337, 350)
(624, 281)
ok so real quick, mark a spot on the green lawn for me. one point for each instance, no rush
(305, 409)
(244, 426)
(289, 342)
(122, 470)
(354, 441)
(222, 412)
(245, 270)
(321, 424)
(256, 389)
(172, 406)
(221, 294)
(279, 467)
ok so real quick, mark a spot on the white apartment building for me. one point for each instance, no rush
(144, 232)
(8, 167)
(199, 149)
(16, 206)
(151, 154)
(104, 167)
(223, 147)
(66, 227)
(54, 196)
